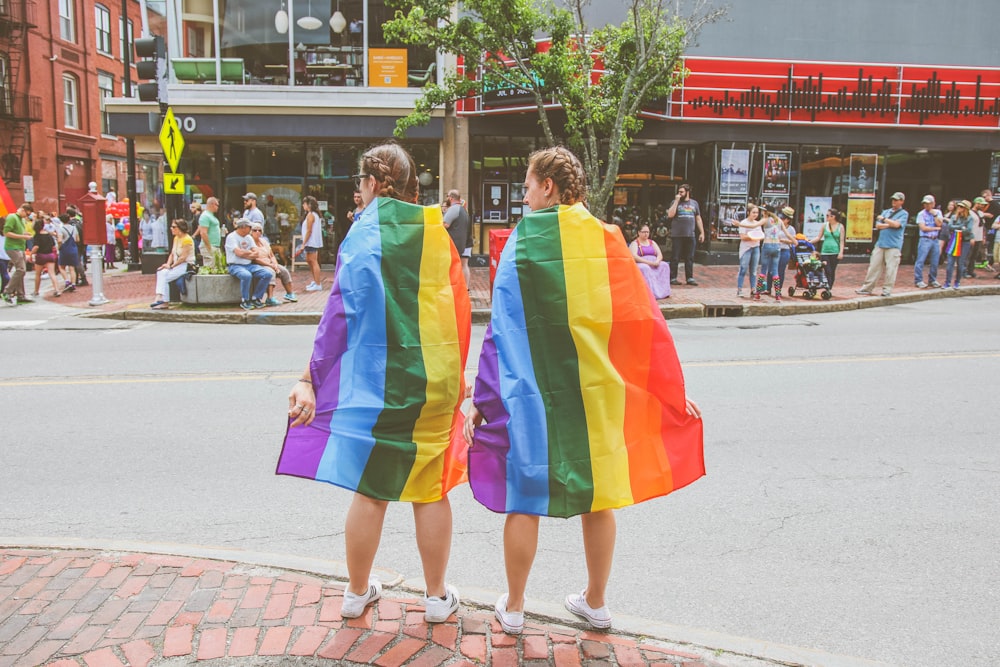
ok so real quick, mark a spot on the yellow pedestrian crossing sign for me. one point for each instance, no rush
(171, 140)
(173, 184)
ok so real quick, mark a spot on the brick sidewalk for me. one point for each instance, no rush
(84, 608)
(717, 286)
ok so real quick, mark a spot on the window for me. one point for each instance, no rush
(102, 20)
(125, 39)
(4, 85)
(106, 86)
(67, 20)
(71, 114)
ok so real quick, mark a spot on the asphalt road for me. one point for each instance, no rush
(850, 505)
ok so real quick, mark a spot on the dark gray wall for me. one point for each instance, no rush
(929, 32)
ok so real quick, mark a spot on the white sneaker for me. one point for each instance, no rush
(512, 622)
(598, 618)
(439, 610)
(313, 287)
(354, 605)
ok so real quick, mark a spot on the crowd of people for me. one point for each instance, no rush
(52, 243)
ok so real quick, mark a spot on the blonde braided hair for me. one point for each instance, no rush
(393, 169)
(565, 170)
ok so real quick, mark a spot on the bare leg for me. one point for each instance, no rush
(520, 542)
(433, 522)
(52, 269)
(313, 260)
(362, 532)
(599, 531)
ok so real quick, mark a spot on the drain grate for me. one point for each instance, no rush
(723, 310)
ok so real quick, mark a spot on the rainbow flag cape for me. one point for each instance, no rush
(579, 383)
(955, 244)
(7, 205)
(388, 362)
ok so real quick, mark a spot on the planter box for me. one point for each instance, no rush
(212, 290)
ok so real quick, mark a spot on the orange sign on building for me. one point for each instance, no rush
(387, 68)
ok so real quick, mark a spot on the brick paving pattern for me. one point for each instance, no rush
(83, 608)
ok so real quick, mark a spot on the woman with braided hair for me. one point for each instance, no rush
(579, 406)
(377, 410)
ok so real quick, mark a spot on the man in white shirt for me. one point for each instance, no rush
(241, 251)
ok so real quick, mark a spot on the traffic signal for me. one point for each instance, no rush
(153, 65)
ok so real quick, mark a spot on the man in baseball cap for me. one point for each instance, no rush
(251, 212)
(929, 221)
(885, 257)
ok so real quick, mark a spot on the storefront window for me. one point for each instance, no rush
(301, 43)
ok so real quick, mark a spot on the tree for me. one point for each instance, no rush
(602, 78)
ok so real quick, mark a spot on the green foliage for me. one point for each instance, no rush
(220, 266)
(598, 120)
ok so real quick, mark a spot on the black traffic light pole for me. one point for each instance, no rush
(133, 236)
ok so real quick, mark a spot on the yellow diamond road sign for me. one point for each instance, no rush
(173, 184)
(171, 140)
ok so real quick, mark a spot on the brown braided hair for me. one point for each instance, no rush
(565, 170)
(394, 170)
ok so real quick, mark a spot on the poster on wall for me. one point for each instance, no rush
(814, 215)
(777, 173)
(495, 202)
(734, 170)
(860, 219)
(863, 181)
(731, 212)
(314, 160)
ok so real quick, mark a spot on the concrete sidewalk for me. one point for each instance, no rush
(107, 607)
(715, 296)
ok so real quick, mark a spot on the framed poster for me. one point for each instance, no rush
(495, 201)
(814, 215)
(860, 219)
(731, 212)
(314, 160)
(734, 169)
(777, 173)
(863, 177)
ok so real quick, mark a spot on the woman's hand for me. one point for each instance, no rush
(472, 420)
(692, 408)
(840, 255)
(301, 404)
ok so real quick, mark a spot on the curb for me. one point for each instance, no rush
(752, 651)
(790, 306)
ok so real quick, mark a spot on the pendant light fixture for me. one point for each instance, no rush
(309, 22)
(281, 20)
(337, 21)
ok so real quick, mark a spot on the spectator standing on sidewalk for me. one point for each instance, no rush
(929, 221)
(456, 221)
(180, 256)
(396, 435)
(957, 251)
(15, 238)
(44, 256)
(977, 249)
(241, 251)
(786, 220)
(884, 262)
(991, 215)
(69, 254)
(770, 252)
(686, 220)
(749, 253)
(209, 231)
(556, 441)
(831, 244)
(312, 241)
(109, 242)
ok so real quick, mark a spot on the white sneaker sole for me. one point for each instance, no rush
(577, 610)
(509, 628)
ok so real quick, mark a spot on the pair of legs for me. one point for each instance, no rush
(364, 531)
(928, 251)
(956, 263)
(312, 259)
(884, 262)
(520, 542)
(830, 266)
(770, 253)
(49, 266)
(166, 276)
(247, 274)
(15, 285)
(748, 266)
(682, 249)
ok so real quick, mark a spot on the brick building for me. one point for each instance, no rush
(59, 61)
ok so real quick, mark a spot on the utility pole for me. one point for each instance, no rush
(133, 218)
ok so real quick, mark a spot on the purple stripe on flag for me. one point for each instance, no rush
(488, 459)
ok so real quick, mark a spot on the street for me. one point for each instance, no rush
(850, 504)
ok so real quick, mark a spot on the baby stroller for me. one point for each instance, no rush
(810, 275)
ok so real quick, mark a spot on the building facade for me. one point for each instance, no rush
(804, 104)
